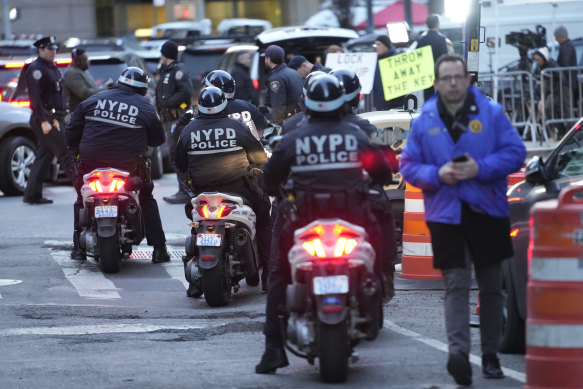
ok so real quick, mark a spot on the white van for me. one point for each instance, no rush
(499, 19)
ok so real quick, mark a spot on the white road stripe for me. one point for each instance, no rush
(108, 328)
(86, 277)
(5, 282)
(518, 376)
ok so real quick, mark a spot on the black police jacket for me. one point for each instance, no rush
(284, 92)
(217, 150)
(249, 115)
(325, 154)
(45, 89)
(114, 127)
(437, 42)
(293, 122)
(244, 85)
(363, 124)
(174, 88)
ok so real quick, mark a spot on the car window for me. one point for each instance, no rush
(570, 156)
(199, 64)
(102, 72)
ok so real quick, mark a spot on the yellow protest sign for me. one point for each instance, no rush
(407, 72)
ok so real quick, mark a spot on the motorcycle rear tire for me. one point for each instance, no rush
(333, 353)
(109, 254)
(216, 285)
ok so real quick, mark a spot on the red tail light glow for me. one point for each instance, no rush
(514, 232)
(256, 84)
(224, 210)
(203, 211)
(115, 185)
(344, 246)
(14, 65)
(24, 103)
(314, 247)
(63, 62)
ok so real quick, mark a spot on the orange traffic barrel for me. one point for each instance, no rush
(554, 325)
(417, 258)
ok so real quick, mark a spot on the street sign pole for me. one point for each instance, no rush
(472, 39)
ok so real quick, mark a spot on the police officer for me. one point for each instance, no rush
(173, 95)
(310, 169)
(47, 101)
(113, 128)
(298, 119)
(218, 153)
(379, 200)
(284, 86)
(241, 110)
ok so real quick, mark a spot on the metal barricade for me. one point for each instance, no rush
(561, 97)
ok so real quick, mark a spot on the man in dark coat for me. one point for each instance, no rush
(432, 37)
(245, 91)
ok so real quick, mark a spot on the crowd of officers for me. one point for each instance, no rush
(114, 127)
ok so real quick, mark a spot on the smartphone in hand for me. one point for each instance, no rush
(460, 158)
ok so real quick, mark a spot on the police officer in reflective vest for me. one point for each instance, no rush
(113, 129)
(173, 95)
(239, 109)
(48, 105)
(218, 153)
(324, 155)
(284, 86)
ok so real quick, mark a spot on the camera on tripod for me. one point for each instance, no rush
(527, 39)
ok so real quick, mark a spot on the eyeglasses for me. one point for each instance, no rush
(457, 78)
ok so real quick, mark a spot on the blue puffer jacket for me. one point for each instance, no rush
(490, 140)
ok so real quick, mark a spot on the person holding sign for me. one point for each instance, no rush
(384, 49)
(460, 151)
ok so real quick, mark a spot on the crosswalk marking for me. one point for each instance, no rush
(91, 283)
(5, 282)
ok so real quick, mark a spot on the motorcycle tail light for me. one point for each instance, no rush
(224, 210)
(344, 246)
(514, 232)
(203, 211)
(100, 187)
(314, 248)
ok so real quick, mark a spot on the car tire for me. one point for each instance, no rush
(513, 333)
(16, 157)
(157, 164)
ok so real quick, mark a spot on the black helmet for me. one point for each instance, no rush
(349, 81)
(211, 101)
(324, 94)
(311, 76)
(136, 78)
(222, 80)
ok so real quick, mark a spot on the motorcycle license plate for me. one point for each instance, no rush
(105, 211)
(330, 285)
(213, 240)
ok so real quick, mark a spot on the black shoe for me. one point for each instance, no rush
(42, 200)
(264, 282)
(177, 198)
(160, 254)
(78, 254)
(491, 366)
(273, 358)
(458, 365)
(195, 288)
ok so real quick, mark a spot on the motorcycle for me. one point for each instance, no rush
(335, 299)
(111, 217)
(222, 248)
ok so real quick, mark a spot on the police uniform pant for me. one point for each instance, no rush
(457, 307)
(49, 145)
(280, 271)
(171, 141)
(383, 211)
(152, 222)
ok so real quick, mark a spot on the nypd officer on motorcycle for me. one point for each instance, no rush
(113, 129)
(219, 153)
(324, 155)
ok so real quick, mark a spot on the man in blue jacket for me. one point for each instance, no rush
(460, 152)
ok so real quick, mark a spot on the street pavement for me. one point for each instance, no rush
(64, 324)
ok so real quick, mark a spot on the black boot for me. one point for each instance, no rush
(264, 276)
(77, 254)
(273, 358)
(388, 286)
(458, 365)
(160, 254)
(491, 366)
(177, 198)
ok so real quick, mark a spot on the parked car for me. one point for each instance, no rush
(17, 149)
(545, 177)
(311, 42)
